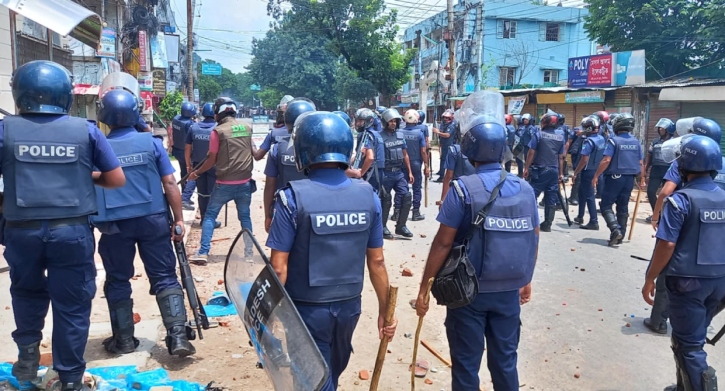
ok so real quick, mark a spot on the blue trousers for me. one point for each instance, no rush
(492, 318)
(205, 184)
(445, 147)
(332, 326)
(66, 253)
(692, 305)
(187, 188)
(417, 168)
(586, 196)
(545, 179)
(617, 189)
(395, 181)
(242, 196)
(152, 235)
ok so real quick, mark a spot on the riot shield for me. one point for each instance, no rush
(120, 80)
(285, 348)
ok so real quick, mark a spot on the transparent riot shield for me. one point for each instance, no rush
(285, 348)
(120, 80)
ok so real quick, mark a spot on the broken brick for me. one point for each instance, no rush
(627, 325)
(136, 317)
(423, 235)
(220, 282)
(428, 381)
(407, 272)
(46, 359)
(364, 374)
(577, 375)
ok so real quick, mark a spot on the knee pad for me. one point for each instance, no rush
(408, 197)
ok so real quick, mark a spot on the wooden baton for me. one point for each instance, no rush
(634, 215)
(383, 348)
(417, 335)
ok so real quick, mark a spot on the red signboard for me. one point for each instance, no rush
(143, 51)
(600, 70)
(148, 98)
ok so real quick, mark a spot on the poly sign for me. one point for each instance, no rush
(605, 70)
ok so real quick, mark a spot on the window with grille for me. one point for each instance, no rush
(506, 29)
(552, 32)
(551, 76)
(506, 76)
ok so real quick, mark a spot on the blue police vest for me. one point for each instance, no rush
(525, 133)
(200, 134)
(598, 144)
(627, 154)
(286, 168)
(699, 248)
(327, 260)
(378, 146)
(450, 129)
(278, 134)
(720, 176)
(463, 166)
(510, 135)
(503, 251)
(657, 159)
(377, 124)
(178, 127)
(412, 139)
(47, 169)
(142, 195)
(550, 143)
(393, 143)
(575, 147)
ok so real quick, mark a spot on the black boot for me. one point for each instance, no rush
(579, 220)
(417, 216)
(405, 205)
(396, 213)
(611, 220)
(173, 314)
(622, 219)
(590, 226)
(386, 202)
(549, 213)
(26, 368)
(574, 194)
(74, 386)
(122, 341)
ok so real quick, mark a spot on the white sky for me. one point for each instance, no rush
(227, 28)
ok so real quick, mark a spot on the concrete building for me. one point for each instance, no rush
(498, 44)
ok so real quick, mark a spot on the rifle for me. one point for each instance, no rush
(564, 204)
(357, 163)
(187, 282)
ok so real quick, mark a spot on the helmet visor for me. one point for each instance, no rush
(671, 148)
(684, 125)
(481, 107)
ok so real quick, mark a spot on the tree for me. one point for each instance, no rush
(677, 35)
(350, 87)
(524, 58)
(170, 106)
(270, 97)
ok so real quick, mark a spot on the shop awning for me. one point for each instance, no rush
(86, 89)
(62, 16)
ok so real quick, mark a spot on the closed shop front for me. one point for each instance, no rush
(583, 109)
(712, 110)
(660, 109)
(568, 111)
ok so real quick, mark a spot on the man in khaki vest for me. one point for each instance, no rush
(231, 149)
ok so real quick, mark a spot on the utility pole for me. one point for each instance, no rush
(479, 46)
(451, 50)
(190, 49)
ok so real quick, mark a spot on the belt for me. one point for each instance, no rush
(52, 223)
(393, 169)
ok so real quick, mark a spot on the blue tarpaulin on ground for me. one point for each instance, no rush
(219, 305)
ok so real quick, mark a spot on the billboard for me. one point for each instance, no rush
(607, 70)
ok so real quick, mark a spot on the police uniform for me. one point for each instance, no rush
(326, 223)
(626, 154)
(180, 127)
(47, 228)
(415, 140)
(494, 314)
(510, 140)
(281, 164)
(274, 136)
(692, 218)
(375, 172)
(457, 162)
(567, 136)
(657, 171)
(593, 146)
(673, 175)
(198, 137)
(393, 178)
(525, 133)
(448, 128)
(544, 173)
(575, 147)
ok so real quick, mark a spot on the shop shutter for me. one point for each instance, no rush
(622, 98)
(583, 109)
(660, 109)
(712, 110)
(568, 111)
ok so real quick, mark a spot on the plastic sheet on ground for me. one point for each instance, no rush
(219, 305)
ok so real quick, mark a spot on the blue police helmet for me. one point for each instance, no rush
(207, 110)
(296, 108)
(321, 137)
(700, 154)
(343, 115)
(42, 87)
(380, 109)
(421, 117)
(118, 108)
(666, 124)
(707, 127)
(484, 143)
(188, 109)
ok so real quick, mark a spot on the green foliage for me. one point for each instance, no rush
(270, 97)
(170, 106)
(677, 35)
(350, 87)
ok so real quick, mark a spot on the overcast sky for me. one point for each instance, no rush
(227, 28)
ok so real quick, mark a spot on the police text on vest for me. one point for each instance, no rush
(713, 215)
(47, 150)
(341, 219)
(508, 224)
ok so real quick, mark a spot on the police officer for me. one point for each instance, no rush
(127, 219)
(622, 162)
(180, 126)
(396, 162)
(373, 151)
(592, 153)
(456, 165)
(426, 133)
(526, 130)
(323, 229)
(231, 150)
(277, 132)
(654, 162)
(494, 314)
(377, 123)
(47, 227)
(280, 168)
(444, 139)
(567, 137)
(576, 139)
(689, 253)
(197, 147)
(344, 116)
(418, 155)
(510, 138)
(544, 165)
